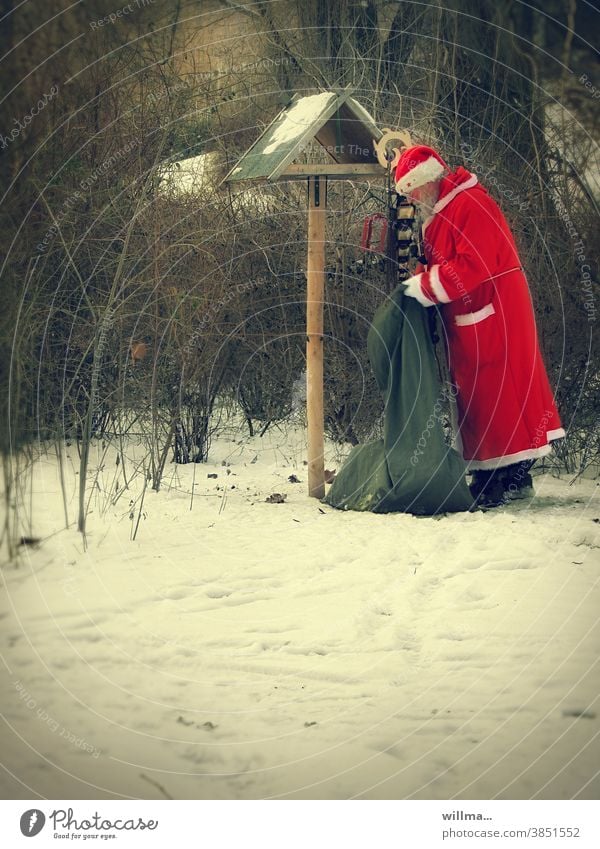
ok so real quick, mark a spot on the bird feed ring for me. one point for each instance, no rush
(383, 148)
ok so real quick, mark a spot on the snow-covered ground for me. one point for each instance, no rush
(245, 649)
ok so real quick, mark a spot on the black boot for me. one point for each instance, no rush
(487, 489)
(517, 481)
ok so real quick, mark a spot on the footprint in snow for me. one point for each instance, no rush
(217, 593)
(508, 565)
(207, 726)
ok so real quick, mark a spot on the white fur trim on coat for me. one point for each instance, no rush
(474, 317)
(414, 290)
(436, 285)
(468, 184)
(528, 454)
(422, 173)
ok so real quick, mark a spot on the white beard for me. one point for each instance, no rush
(426, 204)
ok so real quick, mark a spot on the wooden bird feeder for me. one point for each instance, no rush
(347, 132)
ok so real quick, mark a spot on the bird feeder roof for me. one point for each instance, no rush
(335, 120)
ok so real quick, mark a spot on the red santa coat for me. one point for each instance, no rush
(505, 407)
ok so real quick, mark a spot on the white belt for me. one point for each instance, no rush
(474, 317)
(484, 312)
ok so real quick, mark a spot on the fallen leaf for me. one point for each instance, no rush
(275, 498)
(576, 712)
(32, 541)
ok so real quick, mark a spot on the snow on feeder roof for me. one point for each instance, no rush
(336, 120)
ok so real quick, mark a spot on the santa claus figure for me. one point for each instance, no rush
(506, 415)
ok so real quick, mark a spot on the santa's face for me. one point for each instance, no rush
(425, 196)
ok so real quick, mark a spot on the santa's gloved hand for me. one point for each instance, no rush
(414, 290)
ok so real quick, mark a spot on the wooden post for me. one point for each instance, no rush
(315, 278)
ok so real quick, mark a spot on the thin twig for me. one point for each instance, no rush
(158, 786)
(141, 504)
(193, 485)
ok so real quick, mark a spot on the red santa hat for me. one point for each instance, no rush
(417, 166)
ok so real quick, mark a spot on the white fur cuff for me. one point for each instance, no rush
(436, 285)
(414, 290)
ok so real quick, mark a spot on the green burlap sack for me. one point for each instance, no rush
(412, 469)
